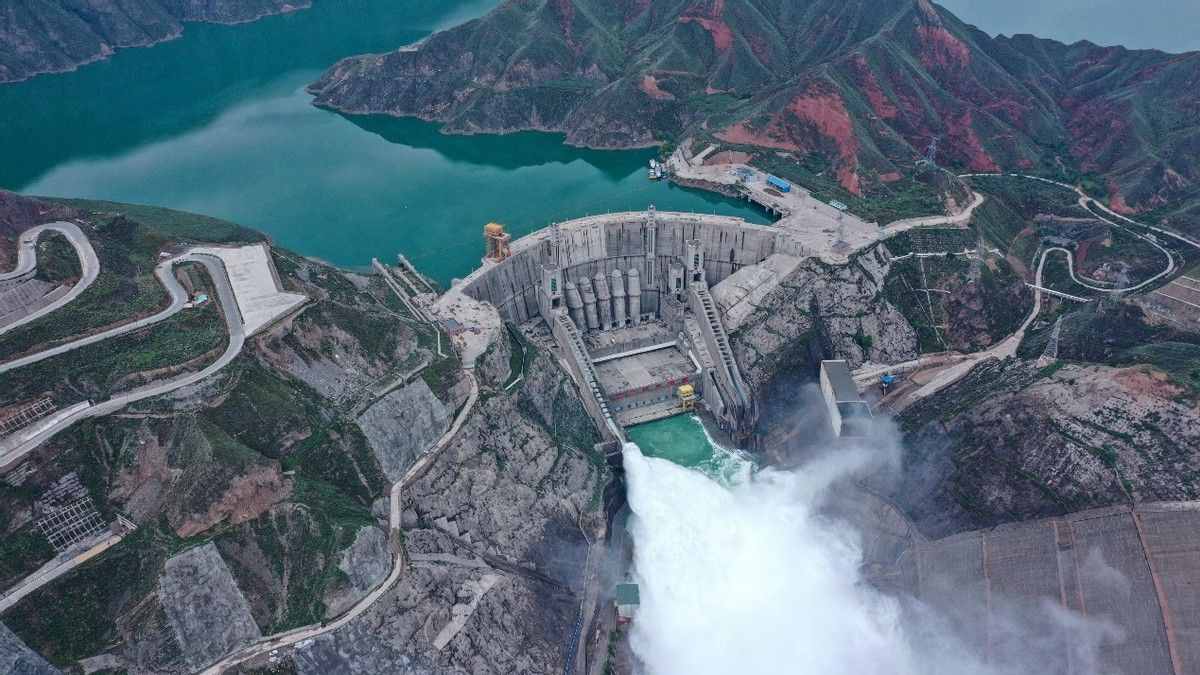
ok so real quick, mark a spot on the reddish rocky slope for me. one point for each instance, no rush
(863, 88)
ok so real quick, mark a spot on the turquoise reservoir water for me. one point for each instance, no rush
(684, 441)
(217, 122)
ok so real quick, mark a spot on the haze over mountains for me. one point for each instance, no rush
(864, 86)
(1152, 24)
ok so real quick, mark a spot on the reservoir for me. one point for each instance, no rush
(218, 122)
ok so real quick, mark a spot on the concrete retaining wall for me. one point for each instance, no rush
(575, 354)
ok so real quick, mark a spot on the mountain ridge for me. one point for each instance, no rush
(866, 88)
(39, 37)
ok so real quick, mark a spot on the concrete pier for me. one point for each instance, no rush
(635, 297)
(589, 303)
(618, 297)
(575, 304)
(604, 300)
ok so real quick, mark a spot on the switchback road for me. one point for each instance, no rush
(10, 456)
(27, 263)
(166, 276)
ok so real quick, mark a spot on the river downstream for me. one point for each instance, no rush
(218, 122)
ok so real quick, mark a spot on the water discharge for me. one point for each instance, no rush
(740, 571)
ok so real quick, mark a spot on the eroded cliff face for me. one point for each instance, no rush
(494, 534)
(823, 311)
(1012, 442)
(1114, 419)
(48, 37)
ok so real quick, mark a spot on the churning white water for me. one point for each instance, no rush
(747, 578)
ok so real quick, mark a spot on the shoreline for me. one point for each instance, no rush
(299, 6)
(331, 107)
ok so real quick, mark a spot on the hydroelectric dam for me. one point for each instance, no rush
(631, 303)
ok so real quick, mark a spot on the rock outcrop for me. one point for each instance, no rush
(48, 37)
(819, 310)
(206, 609)
(18, 659)
(366, 564)
(1012, 442)
(404, 424)
(494, 538)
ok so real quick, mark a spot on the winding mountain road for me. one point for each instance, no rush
(1105, 289)
(1087, 202)
(27, 264)
(27, 441)
(296, 635)
(956, 365)
(960, 218)
(179, 297)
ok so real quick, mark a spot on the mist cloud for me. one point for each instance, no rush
(752, 579)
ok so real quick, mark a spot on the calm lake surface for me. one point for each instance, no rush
(217, 122)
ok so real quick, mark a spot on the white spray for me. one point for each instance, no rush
(748, 579)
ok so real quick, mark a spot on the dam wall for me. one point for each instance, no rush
(620, 242)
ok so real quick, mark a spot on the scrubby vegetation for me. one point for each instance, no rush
(71, 619)
(57, 261)
(98, 371)
(257, 459)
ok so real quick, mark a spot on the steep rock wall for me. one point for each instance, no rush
(507, 498)
(402, 425)
(19, 659)
(206, 609)
(841, 311)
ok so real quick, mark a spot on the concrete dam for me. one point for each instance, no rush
(627, 304)
(648, 242)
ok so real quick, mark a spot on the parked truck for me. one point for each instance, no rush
(779, 183)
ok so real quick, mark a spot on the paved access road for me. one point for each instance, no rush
(291, 637)
(237, 339)
(27, 262)
(1086, 200)
(960, 218)
(954, 365)
(179, 297)
(960, 364)
(45, 575)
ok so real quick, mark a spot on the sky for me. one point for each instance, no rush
(1170, 25)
